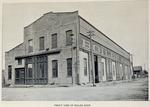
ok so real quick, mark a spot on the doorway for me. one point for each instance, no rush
(96, 69)
(19, 76)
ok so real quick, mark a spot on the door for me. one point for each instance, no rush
(20, 76)
(114, 70)
(96, 69)
(103, 69)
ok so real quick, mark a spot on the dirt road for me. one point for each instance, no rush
(136, 90)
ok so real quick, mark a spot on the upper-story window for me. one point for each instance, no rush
(69, 37)
(96, 48)
(9, 72)
(19, 61)
(41, 43)
(100, 49)
(54, 40)
(104, 51)
(30, 45)
(87, 44)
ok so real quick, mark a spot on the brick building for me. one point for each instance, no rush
(57, 49)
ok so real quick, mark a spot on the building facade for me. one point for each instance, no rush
(59, 48)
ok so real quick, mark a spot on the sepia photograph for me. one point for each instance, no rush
(75, 51)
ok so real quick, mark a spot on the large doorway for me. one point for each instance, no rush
(19, 76)
(96, 69)
(36, 70)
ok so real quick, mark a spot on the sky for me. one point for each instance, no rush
(125, 22)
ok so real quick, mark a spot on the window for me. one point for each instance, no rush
(108, 53)
(85, 66)
(41, 43)
(17, 74)
(68, 37)
(30, 45)
(54, 40)
(104, 52)
(19, 61)
(30, 70)
(55, 68)
(87, 44)
(69, 67)
(9, 72)
(42, 69)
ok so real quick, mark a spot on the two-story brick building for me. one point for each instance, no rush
(58, 49)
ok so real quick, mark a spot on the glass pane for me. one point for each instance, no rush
(30, 48)
(29, 70)
(54, 40)
(42, 69)
(68, 37)
(41, 43)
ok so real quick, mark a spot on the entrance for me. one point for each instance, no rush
(96, 69)
(36, 70)
(19, 76)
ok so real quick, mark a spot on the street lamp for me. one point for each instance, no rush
(91, 52)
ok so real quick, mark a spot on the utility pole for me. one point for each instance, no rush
(91, 52)
(131, 61)
(72, 55)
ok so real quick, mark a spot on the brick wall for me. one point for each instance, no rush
(47, 25)
(10, 60)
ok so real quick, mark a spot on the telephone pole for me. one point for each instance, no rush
(91, 33)
(72, 55)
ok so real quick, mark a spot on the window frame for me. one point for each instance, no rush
(19, 61)
(41, 44)
(69, 38)
(53, 44)
(30, 47)
(30, 71)
(42, 73)
(55, 70)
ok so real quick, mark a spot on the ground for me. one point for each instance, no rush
(136, 90)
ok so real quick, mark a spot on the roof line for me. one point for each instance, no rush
(34, 21)
(14, 47)
(46, 14)
(60, 12)
(103, 34)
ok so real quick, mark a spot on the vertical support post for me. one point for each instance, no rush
(91, 51)
(72, 56)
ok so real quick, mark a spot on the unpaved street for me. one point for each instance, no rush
(134, 90)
